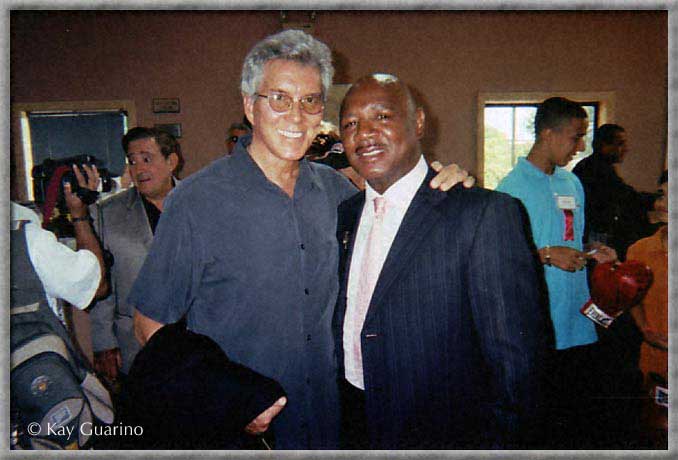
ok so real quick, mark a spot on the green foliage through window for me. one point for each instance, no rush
(509, 135)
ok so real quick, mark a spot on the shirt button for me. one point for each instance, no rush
(302, 246)
(308, 381)
(306, 291)
(308, 338)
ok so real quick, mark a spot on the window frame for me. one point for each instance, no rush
(604, 99)
(22, 156)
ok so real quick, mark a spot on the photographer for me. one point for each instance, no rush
(74, 276)
(49, 378)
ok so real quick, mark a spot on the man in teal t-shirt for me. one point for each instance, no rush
(554, 199)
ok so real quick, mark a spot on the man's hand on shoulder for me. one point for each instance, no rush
(449, 176)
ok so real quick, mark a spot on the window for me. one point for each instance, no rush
(59, 135)
(60, 130)
(507, 129)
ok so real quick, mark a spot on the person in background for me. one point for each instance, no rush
(652, 315)
(328, 149)
(438, 347)
(616, 214)
(235, 131)
(125, 223)
(554, 199)
(246, 250)
(48, 374)
(74, 276)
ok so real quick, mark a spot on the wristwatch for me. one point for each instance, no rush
(80, 219)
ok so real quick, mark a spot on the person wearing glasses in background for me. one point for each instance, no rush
(125, 223)
(235, 131)
(246, 248)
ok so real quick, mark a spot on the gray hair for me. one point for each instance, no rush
(291, 45)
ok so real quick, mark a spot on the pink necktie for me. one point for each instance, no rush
(369, 273)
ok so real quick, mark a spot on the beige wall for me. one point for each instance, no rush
(448, 57)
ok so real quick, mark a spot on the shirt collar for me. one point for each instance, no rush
(308, 176)
(136, 195)
(250, 172)
(526, 165)
(401, 193)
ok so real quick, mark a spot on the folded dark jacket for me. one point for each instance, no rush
(186, 394)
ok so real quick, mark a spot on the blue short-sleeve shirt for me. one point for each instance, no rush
(256, 271)
(567, 291)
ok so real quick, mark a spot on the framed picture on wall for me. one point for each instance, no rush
(166, 105)
(173, 128)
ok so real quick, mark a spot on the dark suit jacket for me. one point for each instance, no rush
(455, 334)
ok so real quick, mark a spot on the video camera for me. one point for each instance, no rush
(48, 189)
(44, 173)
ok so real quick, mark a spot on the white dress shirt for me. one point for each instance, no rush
(73, 276)
(398, 198)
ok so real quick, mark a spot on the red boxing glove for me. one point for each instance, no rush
(616, 287)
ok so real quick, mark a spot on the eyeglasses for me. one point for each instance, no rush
(281, 102)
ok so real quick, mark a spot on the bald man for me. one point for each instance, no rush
(439, 329)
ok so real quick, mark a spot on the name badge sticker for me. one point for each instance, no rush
(566, 202)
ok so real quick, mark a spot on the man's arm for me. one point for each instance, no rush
(107, 357)
(563, 257)
(167, 282)
(510, 321)
(73, 276)
(84, 234)
(144, 327)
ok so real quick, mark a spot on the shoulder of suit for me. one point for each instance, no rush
(477, 198)
(353, 200)
(473, 193)
(119, 198)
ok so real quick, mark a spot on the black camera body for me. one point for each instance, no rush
(62, 170)
(42, 175)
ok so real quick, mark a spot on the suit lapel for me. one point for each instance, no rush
(349, 215)
(419, 219)
(139, 218)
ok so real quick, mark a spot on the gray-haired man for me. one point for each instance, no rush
(246, 248)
